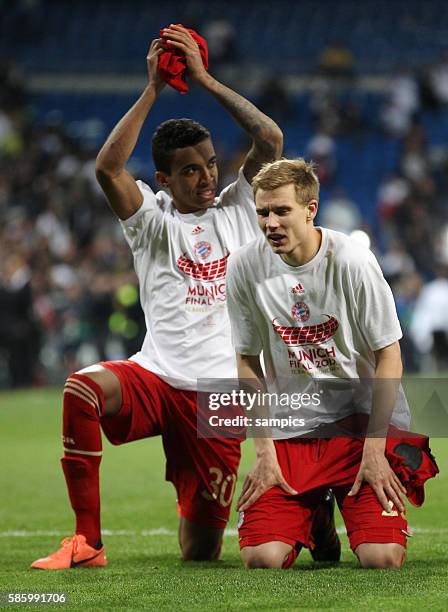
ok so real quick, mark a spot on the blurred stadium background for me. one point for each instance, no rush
(359, 87)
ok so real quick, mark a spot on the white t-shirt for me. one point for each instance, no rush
(322, 320)
(181, 264)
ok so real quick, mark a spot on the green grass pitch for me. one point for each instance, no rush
(139, 519)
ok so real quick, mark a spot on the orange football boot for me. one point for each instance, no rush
(74, 552)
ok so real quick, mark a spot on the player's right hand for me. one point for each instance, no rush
(265, 474)
(152, 60)
(180, 38)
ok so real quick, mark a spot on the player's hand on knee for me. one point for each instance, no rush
(180, 38)
(265, 474)
(375, 470)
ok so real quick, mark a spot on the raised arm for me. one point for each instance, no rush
(267, 138)
(118, 185)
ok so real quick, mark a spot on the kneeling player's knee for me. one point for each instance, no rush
(199, 543)
(271, 555)
(200, 550)
(381, 556)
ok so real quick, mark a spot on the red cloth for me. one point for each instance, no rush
(173, 65)
(411, 459)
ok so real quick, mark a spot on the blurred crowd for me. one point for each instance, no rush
(68, 294)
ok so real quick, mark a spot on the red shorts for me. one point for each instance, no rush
(204, 471)
(312, 466)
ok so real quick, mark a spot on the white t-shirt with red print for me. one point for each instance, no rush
(321, 321)
(181, 264)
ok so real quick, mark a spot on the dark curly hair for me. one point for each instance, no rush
(175, 134)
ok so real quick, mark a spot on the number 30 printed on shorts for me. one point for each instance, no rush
(222, 489)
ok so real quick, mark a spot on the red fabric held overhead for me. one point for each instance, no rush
(173, 65)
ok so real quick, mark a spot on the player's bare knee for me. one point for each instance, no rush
(381, 556)
(385, 561)
(199, 543)
(271, 555)
(262, 560)
(200, 550)
(109, 383)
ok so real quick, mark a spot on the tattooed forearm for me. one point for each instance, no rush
(265, 133)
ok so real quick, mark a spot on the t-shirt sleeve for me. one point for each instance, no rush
(136, 228)
(238, 193)
(377, 313)
(245, 335)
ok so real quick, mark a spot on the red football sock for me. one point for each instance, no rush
(81, 435)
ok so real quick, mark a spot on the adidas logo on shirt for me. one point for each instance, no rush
(197, 230)
(298, 289)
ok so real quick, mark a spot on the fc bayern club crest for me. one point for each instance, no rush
(300, 312)
(203, 249)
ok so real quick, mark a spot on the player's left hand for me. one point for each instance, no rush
(181, 39)
(375, 470)
(154, 52)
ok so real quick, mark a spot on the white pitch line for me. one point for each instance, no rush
(163, 531)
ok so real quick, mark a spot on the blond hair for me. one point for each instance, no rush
(286, 171)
